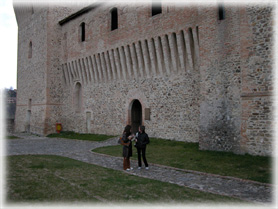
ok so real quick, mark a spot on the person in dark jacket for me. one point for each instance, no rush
(142, 139)
(127, 147)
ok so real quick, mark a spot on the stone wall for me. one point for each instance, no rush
(236, 82)
(172, 116)
(257, 82)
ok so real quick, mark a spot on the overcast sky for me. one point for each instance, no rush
(8, 43)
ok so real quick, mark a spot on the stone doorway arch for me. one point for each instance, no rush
(136, 115)
(77, 97)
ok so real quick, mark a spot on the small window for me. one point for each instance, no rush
(30, 50)
(156, 8)
(82, 28)
(114, 19)
(221, 12)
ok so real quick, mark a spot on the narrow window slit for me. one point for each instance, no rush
(221, 12)
(156, 8)
(30, 50)
(82, 27)
(114, 19)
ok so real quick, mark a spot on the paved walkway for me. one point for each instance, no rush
(81, 150)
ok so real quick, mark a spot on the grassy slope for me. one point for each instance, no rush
(58, 179)
(188, 156)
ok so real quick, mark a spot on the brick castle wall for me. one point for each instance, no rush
(197, 78)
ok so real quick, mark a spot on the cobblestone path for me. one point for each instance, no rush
(81, 150)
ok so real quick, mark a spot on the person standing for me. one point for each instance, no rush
(142, 139)
(127, 147)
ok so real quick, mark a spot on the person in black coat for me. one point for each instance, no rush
(142, 139)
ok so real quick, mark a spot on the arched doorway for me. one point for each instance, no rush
(136, 115)
(78, 97)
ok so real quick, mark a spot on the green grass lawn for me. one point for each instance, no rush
(40, 178)
(188, 156)
(73, 135)
(12, 137)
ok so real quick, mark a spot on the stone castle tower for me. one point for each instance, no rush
(196, 73)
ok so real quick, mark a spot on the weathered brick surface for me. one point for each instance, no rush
(204, 80)
(237, 85)
(220, 105)
(257, 105)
